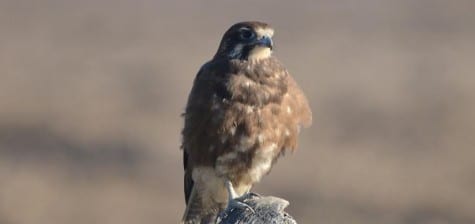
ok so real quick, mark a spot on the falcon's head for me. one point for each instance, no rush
(246, 41)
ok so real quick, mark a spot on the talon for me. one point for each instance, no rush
(239, 205)
(233, 199)
(252, 194)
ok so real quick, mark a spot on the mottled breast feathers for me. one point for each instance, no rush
(233, 100)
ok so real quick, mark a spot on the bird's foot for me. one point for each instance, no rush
(238, 204)
(252, 194)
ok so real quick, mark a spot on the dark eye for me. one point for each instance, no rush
(246, 34)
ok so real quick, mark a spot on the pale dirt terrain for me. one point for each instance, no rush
(91, 93)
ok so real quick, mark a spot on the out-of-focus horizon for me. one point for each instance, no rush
(91, 93)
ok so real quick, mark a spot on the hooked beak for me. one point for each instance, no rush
(265, 41)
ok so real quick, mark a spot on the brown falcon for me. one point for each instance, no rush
(243, 112)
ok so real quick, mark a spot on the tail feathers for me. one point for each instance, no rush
(199, 212)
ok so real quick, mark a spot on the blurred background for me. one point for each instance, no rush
(91, 93)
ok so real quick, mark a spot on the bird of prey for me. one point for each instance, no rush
(244, 111)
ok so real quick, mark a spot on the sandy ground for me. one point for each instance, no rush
(91, 92)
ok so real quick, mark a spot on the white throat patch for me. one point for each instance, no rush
(259, 53)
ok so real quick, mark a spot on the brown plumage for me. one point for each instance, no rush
(243, 112)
